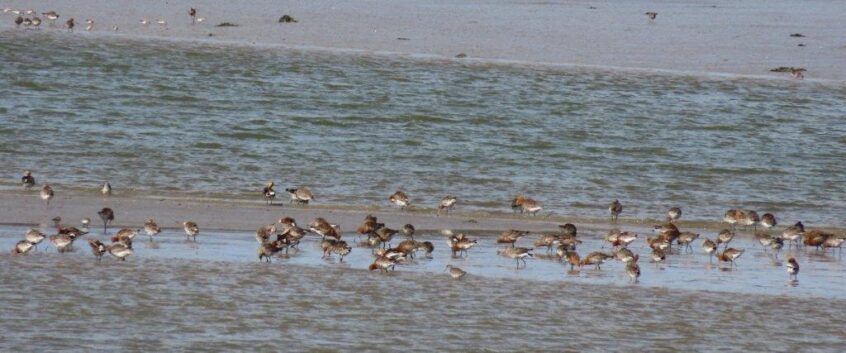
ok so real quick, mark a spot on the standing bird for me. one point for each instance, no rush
(797, 73)
(18, 21)
(531, 206)
(510, 236)
(120, 251)
(191, 229)
(674, 214)
(768, 220)
(400, 199)
(70, 24)
(151, 228)
(98, 248)
(47, 194)
(90, 24)
(447, 203)
(28, 180)
(709, 247)
(36, 21)
(408, 231)
(724, 237)
(455, 272)
(730, 255)
(108, 216)
(615, 208)
(22, 247)
(269, 193)
(518, 254)
(107, 189)
(792, 268)
(651, 15)
(633, 270)
(33, 236)
(301, 195)
(193, 13)
(794, 233)
(51, 15)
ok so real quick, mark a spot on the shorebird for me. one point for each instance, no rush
(595, 258)
(733, 217)
(517, 203)
(768, 220)
(633, 270)
(724, 237)
(709, 247)
(658, 256)
(47, 194)
(615, 208)
(34, 237)
(833, 242)
(264, 233)
(730, 255)
(794, 233)
(518, 254)
(301, 195)
(97, 248)
(797, 73)
(85, 222)
(510, 236)
(22, 247)
(455, 272)
(792, 268)
(51, 15)
(269, 193)
(200, 19)
(145, 21)
(408, 231)
(571, 256)
(369, 226)
(325, 229)
(70, 23)
(108, 216)
(751, 219)
(115, 28)
(120, 251)
(447, 203)
(161, 22)
(625, 255)
(657, 243)
(531, 206)
(667, 232)
(27, 22)
(339, 247)
(383, 264)
(685, 238)
(764, 239)
(459, 243)
(547, 240)
(193, 13)
(90, 24)
(385, 235)
(674, 214)
(400, 199)
(36, 21)
(267, 249)
(27, 180)
(191, 230)
(18, 21)
(292, 235)
(568, 229)
(106, 189)
(62, 242)
(776, 245)
(651, 15)
(151, 228)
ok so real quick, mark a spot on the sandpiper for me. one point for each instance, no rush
(595, 258)
(531, 206)
(191, 230)
(300, 195)
(625, 255)
(633, 270)
(776, 245)
(730, 255)
(51, 15)
(751, 219)
(517, 203)
(200, 19)
(97, 248)
(33, 236)
(685, 238)
(724, 237)
(22, 247)
(106, 190)
(193, 13)
(27, 22)
(658, 256)
(324, 228)
(657, 243)
(833, 242)
(797, 73)
(267, 249)
(674, 214)
(446, 205)
(516, 253)
(27, 180)
(408, 231)
(151, 228)
(568, 229)
(292, 235)
(36, 21)
(455, 272)
(47, 194)
(385, 235)
(400, 199)
(547, 240)
(120, 251)
(459, 244)
(269, 193)
(161, 22)
(615, 208)
(383, 264)
(70, 24)
(89, 24)
(85, 222)
(339, 247)
(510, 236)
(794, 233)
(264, 233)
(145, 21)
(709, 247)
(108, 216)
(62, 242)
(792, 268)
(768, 220)
(733, 217)
(651, 15)
(764, 239)
(572, 258)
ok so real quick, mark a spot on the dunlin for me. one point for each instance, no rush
(625, 255)
(768, 220)
(674, 214)
(300, 195)
(658, 256)
(97, 248)
(151, 228)
(455, 272)
(383, 264)
(633, 270)
(339, 247)
(794, 233)
(324, 228)
(516, 253)
(709, 247)
(615, 208)
(792, 268)
(568, 229)
(733, 217)
(120, 251)
(269, 193)
(776, 245)
(108, 216)
(459, 244)
(28, 180)
(724, 237)
(446, 205)
(400, 199)
(33, 236)
(266, 250)
(47, 194)
(531, 206)
(264, 233)
(595, 258)
(191, 230)
(62, 242)
(751, 219)
(51, 15)
(547, 240)
(686, 238)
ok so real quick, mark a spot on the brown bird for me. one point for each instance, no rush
(300, 195)
(269, 193)
(446, 205)
(70, 23)
(730, 255)
(797, 73)
(47, 194)
(191, 230)
(768, 220)
(18, 21)
(98, 248)
(28, 180)
(108, 216)
(633, 270)
(518, 254)
(400, 199)
(709, 247)
(615, 208)
(652, 15)
(268, 249)
(724, 237)
(792, 268)
(193, 13)
(455, 272)
(22, 247)
(151, 228)
(595, 258)
(510, 236)
(674, 214)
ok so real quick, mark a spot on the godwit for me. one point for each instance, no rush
(22, 247)
(97, 248)
(120, 251)
(459, 243)
(300, 195)
(51, 15)
(151, 228)
(816, 238)
(792, 268)
(615, 208)
(70, 24)
(383, 264)
(674, 214)
(269, 193)
(595, 258)
(108, 216)
(324, 228)
(768, 220)
(191, 230)
(510, 236)
(193, 13)
(794, 233)
(106, 189)
(408, 231)
(34, 237)
(400, 199)
(518, 254)
(47, 194)
(685, 238)
(651, 15)
(572, 258)
(292, 235)
(633, 270)
(709, 247)
(27, 180)
(455, 272)
(730, 255)
(446, 205)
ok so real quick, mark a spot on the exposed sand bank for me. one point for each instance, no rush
(729, 37)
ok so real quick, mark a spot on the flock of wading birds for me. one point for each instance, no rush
(22, 18)
(377, 236)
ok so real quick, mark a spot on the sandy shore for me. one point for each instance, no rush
(730, 37)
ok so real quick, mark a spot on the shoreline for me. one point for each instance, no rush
(561, 38)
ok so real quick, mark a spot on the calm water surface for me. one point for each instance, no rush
(163, 118)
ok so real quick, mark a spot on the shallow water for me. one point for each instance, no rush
(164, 118)
(215, 295)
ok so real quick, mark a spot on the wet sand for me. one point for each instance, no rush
(724, 37)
